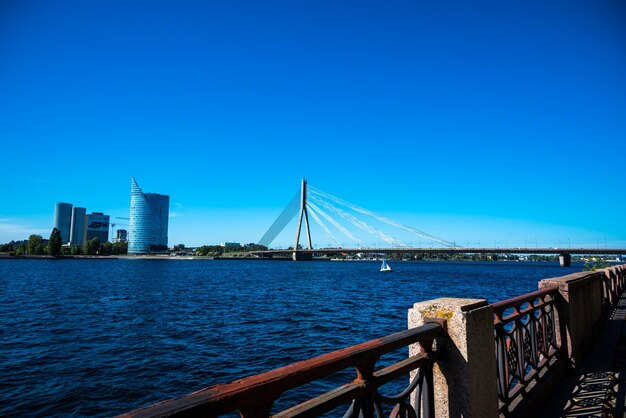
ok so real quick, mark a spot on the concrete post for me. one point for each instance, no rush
(579, 308)
(465, 376)
(565, 260)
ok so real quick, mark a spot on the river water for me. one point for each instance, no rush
(101, 337)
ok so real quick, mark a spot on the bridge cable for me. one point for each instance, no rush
(382, 218)
(324, 227)
(334, 223)
(359, 223)
(281, 222)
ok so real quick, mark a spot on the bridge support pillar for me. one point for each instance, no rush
(300, 256)
(464, 377)
(565, 260)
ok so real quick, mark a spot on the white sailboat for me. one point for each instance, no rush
(385, 266)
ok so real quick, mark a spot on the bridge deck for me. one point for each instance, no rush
(456, 250)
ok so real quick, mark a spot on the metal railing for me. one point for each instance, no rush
(528, 334)
(254, 396)
(526, 343)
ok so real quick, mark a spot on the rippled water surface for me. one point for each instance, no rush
(101, 337)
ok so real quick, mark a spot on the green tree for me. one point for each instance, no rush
(120, 248)
(210, 250)
(232, 248)
(21, 249)
(55, 243)
(202, 251)
(594, 265)
(92, 246)
(254, 247)
(34, 242)
(106, 248)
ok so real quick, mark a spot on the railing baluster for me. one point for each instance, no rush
(501, 359)
(533, 326)
(520, 349)
(428, 394)
(365, 373)
(545, 344)
(519, 341)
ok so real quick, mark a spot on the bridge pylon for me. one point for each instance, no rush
(296, 255)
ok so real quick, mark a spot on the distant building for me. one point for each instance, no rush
(78, 230)
(149, 217)
(97, 226)
(230, 244)
(122, 235)
(63, 220)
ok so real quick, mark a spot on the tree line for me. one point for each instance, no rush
(37, 245)
(218, 250)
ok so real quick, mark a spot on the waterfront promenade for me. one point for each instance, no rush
(558, 352)
(598, 388)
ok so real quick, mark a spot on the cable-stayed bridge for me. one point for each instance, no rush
(340, 219)
(320, 205)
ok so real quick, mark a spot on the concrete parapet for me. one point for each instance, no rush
(579, 308)
(465, 375)
(613, 278)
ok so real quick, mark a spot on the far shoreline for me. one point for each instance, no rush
(213, 258)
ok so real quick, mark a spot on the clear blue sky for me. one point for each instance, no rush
(473, 121)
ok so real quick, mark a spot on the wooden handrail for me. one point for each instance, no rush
(528, 297)
(255, 391)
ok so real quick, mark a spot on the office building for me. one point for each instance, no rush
(149, 216)
(63, 220)
(97, 226)
(122, 235)
(78, 230)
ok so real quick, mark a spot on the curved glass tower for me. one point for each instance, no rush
(149, 213)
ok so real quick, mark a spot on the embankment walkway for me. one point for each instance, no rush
(598, 388)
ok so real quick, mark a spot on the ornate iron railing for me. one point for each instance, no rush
(254, 396)
(526, 343)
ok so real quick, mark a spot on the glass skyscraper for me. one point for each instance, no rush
(149, 215)
(78, 226)
(63, 220)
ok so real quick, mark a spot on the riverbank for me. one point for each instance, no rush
(59, 257)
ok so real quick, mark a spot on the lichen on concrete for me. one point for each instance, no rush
(435, 312)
